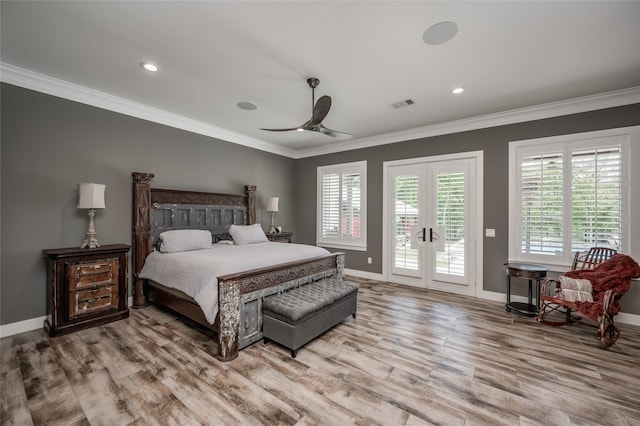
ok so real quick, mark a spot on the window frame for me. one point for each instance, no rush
(565, 144)
(347, 243)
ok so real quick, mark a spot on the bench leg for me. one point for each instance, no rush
(294, 353)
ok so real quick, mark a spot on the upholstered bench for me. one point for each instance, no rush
(297, 316)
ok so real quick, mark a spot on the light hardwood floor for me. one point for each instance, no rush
(410, 357)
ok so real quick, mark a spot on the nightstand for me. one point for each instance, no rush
(280, 237)
(86, 287)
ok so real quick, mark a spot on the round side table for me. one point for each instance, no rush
(529, 272)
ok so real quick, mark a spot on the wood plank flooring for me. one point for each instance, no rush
(411, 357)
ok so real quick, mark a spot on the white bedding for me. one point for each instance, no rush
(195, 272)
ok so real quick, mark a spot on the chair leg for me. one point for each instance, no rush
(608, 333)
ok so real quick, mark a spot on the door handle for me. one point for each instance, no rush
(424, 234)
(430, 235)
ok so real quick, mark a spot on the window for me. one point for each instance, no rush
(342, 206)
(567, 194)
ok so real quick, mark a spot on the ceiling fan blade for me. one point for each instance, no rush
(281, 130)
(320, 110)
(333, 133)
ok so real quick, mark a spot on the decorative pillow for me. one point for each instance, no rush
(575, 284)
(574, 289)
(247, 234)
(184, 240)
(576, 296)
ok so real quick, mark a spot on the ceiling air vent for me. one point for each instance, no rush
(402, 104)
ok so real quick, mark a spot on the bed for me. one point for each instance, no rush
(238, 322)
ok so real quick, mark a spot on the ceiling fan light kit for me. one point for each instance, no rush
(319, 111)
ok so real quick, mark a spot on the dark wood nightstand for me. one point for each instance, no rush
(280, 237)
(86, 287)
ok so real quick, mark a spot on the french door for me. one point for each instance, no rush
(431, 222)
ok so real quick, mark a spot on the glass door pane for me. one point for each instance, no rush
(407, 253)
(449, 254)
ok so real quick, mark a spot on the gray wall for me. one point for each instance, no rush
(494, 142)
(49, 145)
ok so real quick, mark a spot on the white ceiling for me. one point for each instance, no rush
(367, 55)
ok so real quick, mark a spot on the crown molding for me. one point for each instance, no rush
(549, 110)
(42, 83)
(52, 86)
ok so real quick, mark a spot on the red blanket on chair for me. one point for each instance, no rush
(614, 274)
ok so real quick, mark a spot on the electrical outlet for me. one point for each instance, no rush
(490, 233)
(369, 260)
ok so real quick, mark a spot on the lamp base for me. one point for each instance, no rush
(272, 228)
(91, 241)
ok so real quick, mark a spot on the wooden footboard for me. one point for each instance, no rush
(240, 297)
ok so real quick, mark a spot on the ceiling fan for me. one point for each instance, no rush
(319, 111)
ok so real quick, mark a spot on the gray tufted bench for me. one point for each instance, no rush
(299, 315)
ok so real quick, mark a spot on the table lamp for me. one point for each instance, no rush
(91, 196)
(272, 206)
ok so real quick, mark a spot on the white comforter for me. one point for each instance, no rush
(195, 272)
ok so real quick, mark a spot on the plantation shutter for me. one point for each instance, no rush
(571, 197)
(450, 215)
(406, 217)
(542, 203)
(330, 205)
(350, 201)
(341, 191)
(596, 198)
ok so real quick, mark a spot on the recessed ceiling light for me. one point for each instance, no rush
(440, 33)
(247, 106)
(457, 90)
(149, 66)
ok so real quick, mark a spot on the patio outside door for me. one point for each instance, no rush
(431, 238)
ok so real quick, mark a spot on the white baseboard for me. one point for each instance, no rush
(364, 274)
(30, 324)
(624, 318)
(7, 330)
(36, 323)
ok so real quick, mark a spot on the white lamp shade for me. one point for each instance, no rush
(272, 204)
(91, 195)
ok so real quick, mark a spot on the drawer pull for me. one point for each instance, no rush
(95, 288)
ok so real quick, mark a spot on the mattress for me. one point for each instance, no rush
(196, 273)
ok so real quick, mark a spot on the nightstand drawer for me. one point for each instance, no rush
(89, 274)
(99, 298)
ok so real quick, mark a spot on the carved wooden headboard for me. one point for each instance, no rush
(158, 210)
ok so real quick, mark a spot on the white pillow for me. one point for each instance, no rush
(247, 234)
(184, 240)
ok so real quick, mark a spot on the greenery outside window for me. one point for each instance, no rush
(342, 206)
(567, 194)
